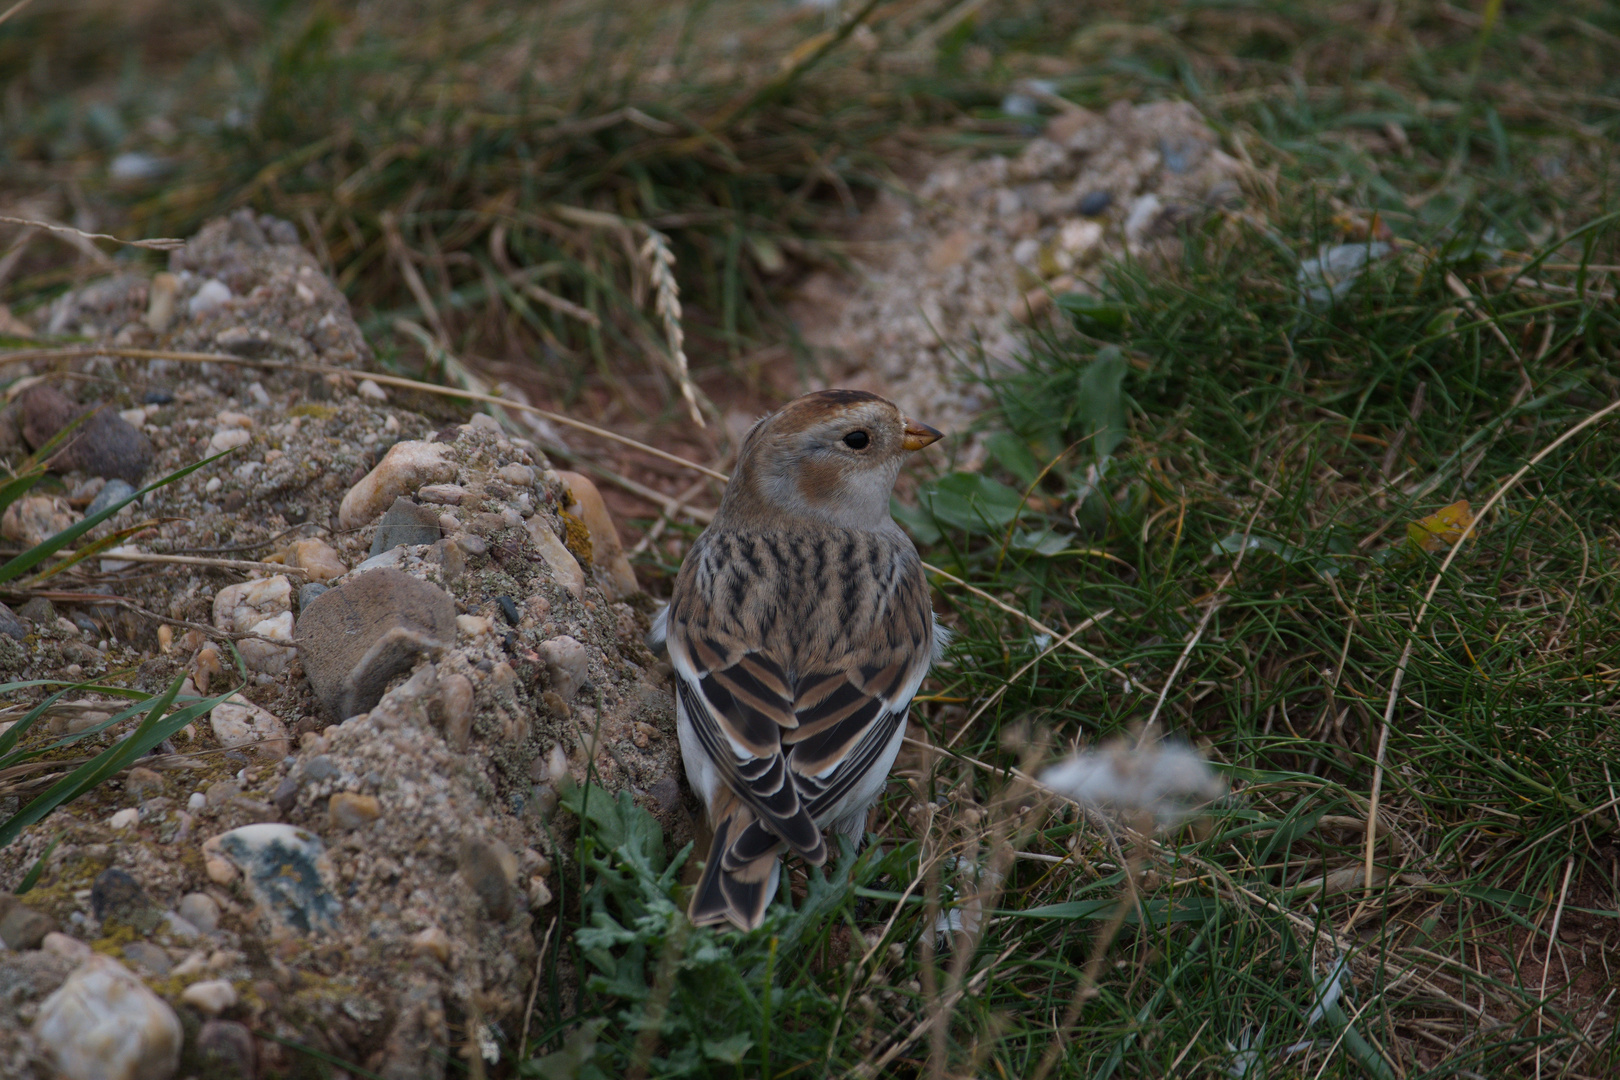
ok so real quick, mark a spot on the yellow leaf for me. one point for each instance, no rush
(1441, 529)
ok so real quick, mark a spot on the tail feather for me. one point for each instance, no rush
(731, 890)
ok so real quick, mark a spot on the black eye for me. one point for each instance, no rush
(857, 440)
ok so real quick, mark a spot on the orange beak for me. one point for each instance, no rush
(918, 435)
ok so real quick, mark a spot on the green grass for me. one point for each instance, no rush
(1234, 416)
(1233, 410)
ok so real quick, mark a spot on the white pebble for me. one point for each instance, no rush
(229, 439)
(213, 294)
(212, 996)
(127, 818)
(257, 392)
(103, 1022)
(369, 389)
(213, 485)
(197, 801)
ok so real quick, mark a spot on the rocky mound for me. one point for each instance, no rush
(438, 632)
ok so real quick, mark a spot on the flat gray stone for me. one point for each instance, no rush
(112, 491)
(406, 524)
(11, 625)
(355, 638)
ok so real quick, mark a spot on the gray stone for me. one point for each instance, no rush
(104, 1024)
(115, 490)
(285, 870)
(39, 611)
(406, 524)
(225, 1051)
(318, 768)
(104, 444)
(149, 958)
(115, 896)
(21, 927)
(309, 592)
(11, 625)
(200, 910)
(355, 638)
(1094, 203)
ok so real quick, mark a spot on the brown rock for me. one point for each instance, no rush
(104, 444)
(607, 552)
(21, 927)
(347, 810)
(353, 639)
(405, 468)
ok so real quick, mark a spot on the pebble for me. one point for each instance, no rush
(141, 782)
(487, 874)
(113, 491)
(210, 997)
(238, 722)
(406, 467)
(456, 698)
(442, 494)
(564, 567)
(68, 948)
(148, 958)
(230, 419)
(369, 390)
(567, 665)
(1094, 202)
(210, 296)
(21, 927)
(228, 439)
(432, 942)
(356, 637)
(115, 896)
(284, 870)
(347, 810)
(176, 928)
(104, 1024)
(607, 552)
(34, 519)
(318, 559)
(105, 444)
(157, 397)
(201, 911)
(127, 818)
(405, 524)
(220, 871)
(520, 476)
(196, 802)
(262, 607)
(308, 592)
(160, 296)
(11, 625)
(225, 1050)
(318, 768)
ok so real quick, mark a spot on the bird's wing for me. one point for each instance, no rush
(848, 716)
(739, 703)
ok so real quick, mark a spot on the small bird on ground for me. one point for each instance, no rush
(799, 630)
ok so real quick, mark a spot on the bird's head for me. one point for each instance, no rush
(830, 456)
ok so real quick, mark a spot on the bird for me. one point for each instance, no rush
(799, 629)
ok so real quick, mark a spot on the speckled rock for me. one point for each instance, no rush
(404, 469)
(356, 637)
(116, 897)
(286, 871)
(237, 722)
(104, 1024)
(33, 519)
(566, 664)
(615, 574)
(262, 607)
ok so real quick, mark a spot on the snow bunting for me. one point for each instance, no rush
(799, 629)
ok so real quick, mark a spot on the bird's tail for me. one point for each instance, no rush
(739, 880)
